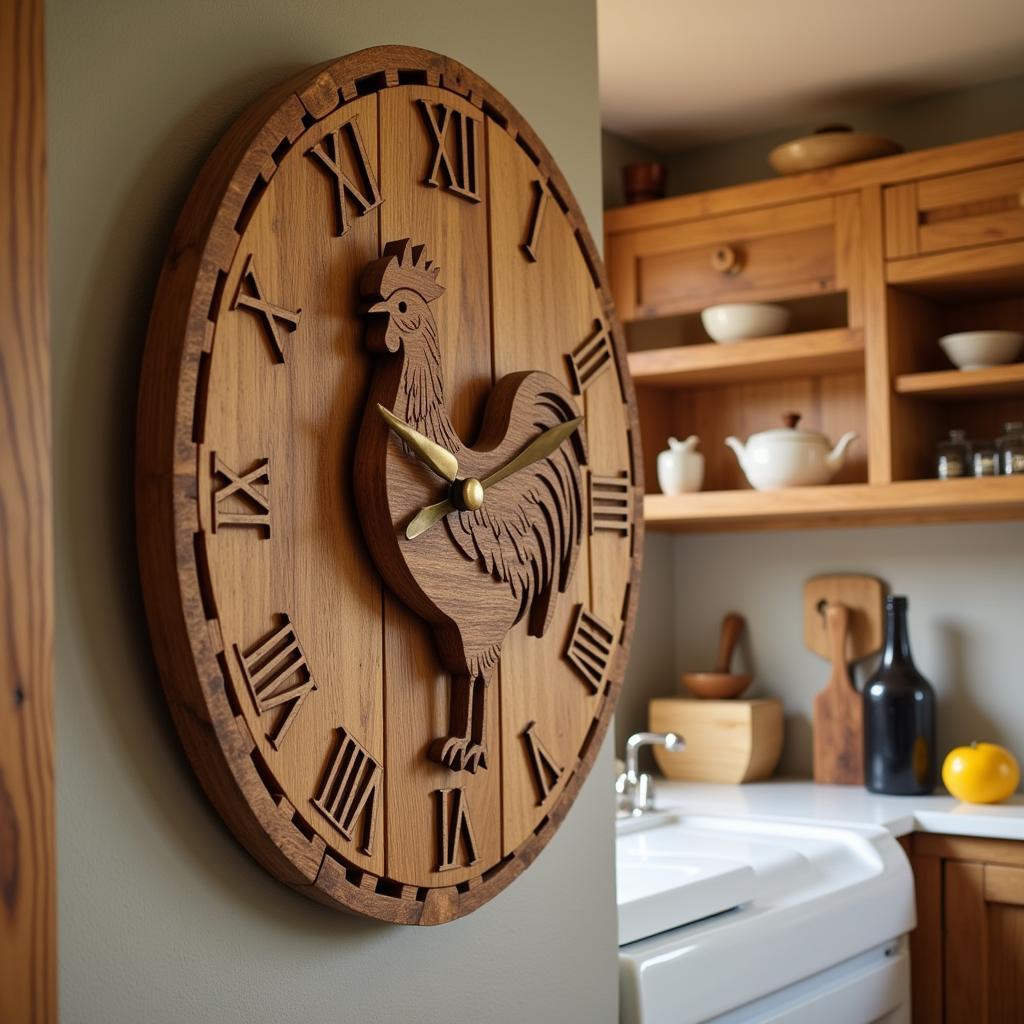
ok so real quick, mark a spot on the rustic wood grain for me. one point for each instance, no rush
(862, 597)
(913, 246)
(307, 694)
(925, 163)
(727, 741)
(926, 954)
(28, 933)
(838, 713)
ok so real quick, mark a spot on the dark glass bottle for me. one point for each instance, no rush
(899, 716)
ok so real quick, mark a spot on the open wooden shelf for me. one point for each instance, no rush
(788, 355)
(964, 385)
(899, 251)
(992, 270)
(911, 501)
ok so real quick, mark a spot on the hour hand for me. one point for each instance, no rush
(539, 448)
(430, 453)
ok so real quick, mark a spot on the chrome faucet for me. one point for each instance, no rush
(635, 789)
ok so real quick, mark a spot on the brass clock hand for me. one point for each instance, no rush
(437, 458)
(539, 448)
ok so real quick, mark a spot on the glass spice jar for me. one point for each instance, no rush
(1010, 449)
(953, 456)
(983, 459)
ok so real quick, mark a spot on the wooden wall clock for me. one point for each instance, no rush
(388, 487)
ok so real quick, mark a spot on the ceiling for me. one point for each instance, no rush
(679, 73)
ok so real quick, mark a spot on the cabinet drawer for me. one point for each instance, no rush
(955, 211)
(761, 255)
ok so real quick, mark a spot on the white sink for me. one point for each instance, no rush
(717, 912)
(667, 877)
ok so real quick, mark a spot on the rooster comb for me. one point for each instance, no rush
(402, 265)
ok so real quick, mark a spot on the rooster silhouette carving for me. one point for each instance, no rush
(472, 539)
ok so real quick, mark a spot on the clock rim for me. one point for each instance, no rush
(202, 249)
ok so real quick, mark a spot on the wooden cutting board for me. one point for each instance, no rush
(863, 597)
(838, 712)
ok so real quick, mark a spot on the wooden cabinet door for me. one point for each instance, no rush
(779, 252)
(955, 211)
(983, 942)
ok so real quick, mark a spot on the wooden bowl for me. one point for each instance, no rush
(829, 147)
(716, 685)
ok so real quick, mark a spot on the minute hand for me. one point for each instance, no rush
(539, 448)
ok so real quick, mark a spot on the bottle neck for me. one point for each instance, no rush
(897, 639)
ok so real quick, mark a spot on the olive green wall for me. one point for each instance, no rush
(163, 916)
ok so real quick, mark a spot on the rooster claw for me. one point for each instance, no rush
(459, 754)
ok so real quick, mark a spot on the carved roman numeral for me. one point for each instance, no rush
(349, 795)
(242, 486)
(453, 828)
(277, 676)
(532, 245)
(276, 319)
(366, 195)
(590, 649)
(611, 504)
(463, 175)
(591, 358)
(546, 771)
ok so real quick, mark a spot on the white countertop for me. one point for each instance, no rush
(846, 805)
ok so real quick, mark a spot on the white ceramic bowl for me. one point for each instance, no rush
(971, 350)
(737, 321)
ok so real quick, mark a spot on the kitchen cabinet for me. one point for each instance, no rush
(967, 952)
(874, 261)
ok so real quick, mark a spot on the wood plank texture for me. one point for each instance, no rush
(964, 385)
(890, 170)
(329, 714)
(911, 501)
(970, 273)
(965, 943)
(28, 933)
(926, 981)
(814, 352)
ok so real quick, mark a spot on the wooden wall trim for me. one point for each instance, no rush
(27, 854)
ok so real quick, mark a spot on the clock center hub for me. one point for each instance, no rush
(468, 494)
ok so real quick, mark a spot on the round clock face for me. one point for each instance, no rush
(388, 487)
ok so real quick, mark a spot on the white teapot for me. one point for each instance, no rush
(789, 457)
(680, 466)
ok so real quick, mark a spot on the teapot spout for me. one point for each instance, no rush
(836, 457)
(739, 448)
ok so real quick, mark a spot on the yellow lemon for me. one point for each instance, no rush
(983, 773)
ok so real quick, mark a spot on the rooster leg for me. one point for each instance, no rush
(463, 749)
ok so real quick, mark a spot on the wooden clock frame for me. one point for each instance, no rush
(192, 653)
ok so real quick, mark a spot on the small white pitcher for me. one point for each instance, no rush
(680, 466)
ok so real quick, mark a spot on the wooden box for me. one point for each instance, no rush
(726, 740)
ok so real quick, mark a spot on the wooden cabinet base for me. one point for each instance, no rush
(727, 741)
(967, 952)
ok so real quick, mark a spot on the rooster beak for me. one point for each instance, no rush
(377, 307)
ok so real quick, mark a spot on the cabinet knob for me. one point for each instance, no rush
(726, 260)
